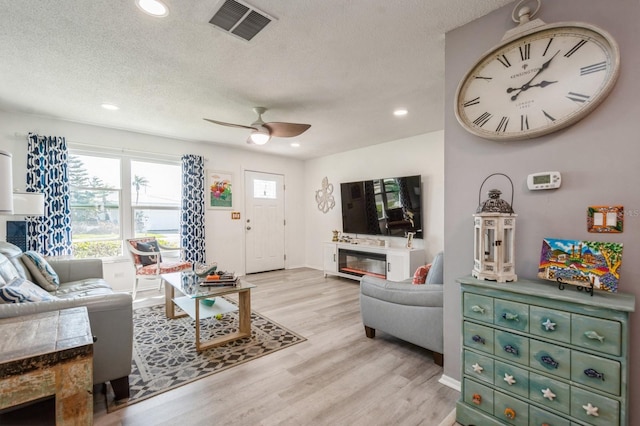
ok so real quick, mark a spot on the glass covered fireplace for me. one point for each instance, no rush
(361, 263)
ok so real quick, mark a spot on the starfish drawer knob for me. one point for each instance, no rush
(591, 410)
(546, 393)
(548, 325)
(476, 367)
(509, 379)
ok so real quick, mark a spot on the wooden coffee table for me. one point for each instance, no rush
(193, 304)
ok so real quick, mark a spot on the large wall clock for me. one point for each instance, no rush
(539, 79)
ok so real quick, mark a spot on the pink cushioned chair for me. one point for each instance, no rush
(146, 255)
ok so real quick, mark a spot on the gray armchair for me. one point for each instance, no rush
(411, 312)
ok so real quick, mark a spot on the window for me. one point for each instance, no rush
(114, 198)
(155, 201)
(264, 189)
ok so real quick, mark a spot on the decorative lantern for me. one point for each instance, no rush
(493, 237)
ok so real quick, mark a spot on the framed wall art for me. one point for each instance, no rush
(220, 187)
(605, 219)
(581, 263)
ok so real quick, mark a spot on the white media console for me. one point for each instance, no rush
(351, 260)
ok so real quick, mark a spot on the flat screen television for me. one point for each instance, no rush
(387, 206)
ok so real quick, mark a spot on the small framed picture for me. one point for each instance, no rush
(605, 219)
(220, 190)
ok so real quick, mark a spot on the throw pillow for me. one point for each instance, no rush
(151, 246)
(41, 271)
(20, 290)
(420, 275)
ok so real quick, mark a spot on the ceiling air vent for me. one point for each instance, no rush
(240, 19)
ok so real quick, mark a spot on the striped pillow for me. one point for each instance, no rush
(20, 290)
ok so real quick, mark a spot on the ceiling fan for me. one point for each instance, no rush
(262, 132)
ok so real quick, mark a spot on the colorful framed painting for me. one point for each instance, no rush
(581, 263)
(220, 186)
(605, 219)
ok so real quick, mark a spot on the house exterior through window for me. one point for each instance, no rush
(115, 197)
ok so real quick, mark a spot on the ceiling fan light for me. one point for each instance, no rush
(259, 137)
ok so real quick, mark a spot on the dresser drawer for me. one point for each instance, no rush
(479, 396)
(510, 410)
(478, 307)
(511, 347)
(549, 323)
(596, 372)
(608, 409)
(595, 333)
(538, 417)
(550, 358)
(512, 379)
(512, 315)
(550, 393)
(466, 415)
(478, 337)
(478, 366)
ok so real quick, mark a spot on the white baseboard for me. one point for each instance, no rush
(450, 420)
(450, 382)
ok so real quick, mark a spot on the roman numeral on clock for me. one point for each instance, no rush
(547, 48)
(504, 61)
(575, 48)
(577, 97)
(525, 52)
(524, 122)
(546, 114)
(502, 126)
(600, 66)
(482, 120)
(475, 101)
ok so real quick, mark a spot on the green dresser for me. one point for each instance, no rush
(536, 355)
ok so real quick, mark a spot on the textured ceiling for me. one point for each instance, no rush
(341, 66)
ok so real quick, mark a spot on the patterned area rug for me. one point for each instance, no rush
(165, 357)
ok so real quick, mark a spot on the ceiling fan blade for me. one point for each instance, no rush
(222, 123)
(286, 130)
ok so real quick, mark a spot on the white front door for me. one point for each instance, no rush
(264, 221)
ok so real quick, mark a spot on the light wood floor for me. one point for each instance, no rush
(337, 377)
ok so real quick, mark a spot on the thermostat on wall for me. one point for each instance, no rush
(544, 180)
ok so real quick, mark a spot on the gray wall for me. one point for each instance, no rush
(598, 159)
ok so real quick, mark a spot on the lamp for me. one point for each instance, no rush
(6, 183)
(28, 203)
(24, 204)
(493, 237)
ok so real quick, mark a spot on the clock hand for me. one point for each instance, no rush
(524, 87)
(527, 84)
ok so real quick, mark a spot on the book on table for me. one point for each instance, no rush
(222, 281)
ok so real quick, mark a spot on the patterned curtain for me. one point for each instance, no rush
(192, 211)
(47, 158)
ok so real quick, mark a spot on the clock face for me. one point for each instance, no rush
(538, 83)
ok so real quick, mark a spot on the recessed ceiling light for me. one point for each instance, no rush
(153, 7)
(110, 107)
(400, 112)
(295, 144)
